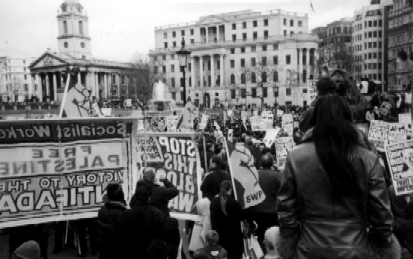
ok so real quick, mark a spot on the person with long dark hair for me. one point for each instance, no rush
(333, 198)
(226, 218)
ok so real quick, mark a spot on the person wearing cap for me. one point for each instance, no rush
(28, 250)
(212, 183)
(108, 216)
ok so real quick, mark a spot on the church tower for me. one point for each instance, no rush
(73, 36)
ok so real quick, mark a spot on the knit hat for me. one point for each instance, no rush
(115, 192)
(28, 250)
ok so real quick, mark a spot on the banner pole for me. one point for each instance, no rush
(205, 154)
(230, 169)
(146, 141)
(64, 95)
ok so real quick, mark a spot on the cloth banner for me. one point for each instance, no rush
(379, 133)
(177, 156)
(400, 161)
(244, 175)
(282, 146)
(270, 137)
(53, 170)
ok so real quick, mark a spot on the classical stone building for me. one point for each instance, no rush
(227, 51)
(105, 79)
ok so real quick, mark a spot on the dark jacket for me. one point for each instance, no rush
(108, 217)
(161, 195)
(270, 182)
(327, 227)
(228, 226)
(137, 228)
(212, 183)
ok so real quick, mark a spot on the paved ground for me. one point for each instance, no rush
(71, 253)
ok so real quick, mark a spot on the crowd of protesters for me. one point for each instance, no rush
(332, 200)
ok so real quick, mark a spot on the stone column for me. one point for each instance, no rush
(212, 71)
(217, 33)
(307, 66)
(118, 85)
(221, 68)
(206, 34)
(40, 88)
(193, 71)
(92, 83)
(79, 78)
(201, 72)
(300, 61)
(32, 90)
(54, 87)
(97, 88)
(105, 86)
(47, 85)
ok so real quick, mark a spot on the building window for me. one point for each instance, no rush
(265, 22)
(305, 90)
(174, 44)
(291, 23)
(66, 45)
(254, 93)
(173, 34)
(254, 35)
(254, 23)
(265, 92)
(253, 62)
(232, 51)
(370, 24)
(288, 91)
(182, 33)
(285, 32)
(374, 44)
(300, 23)
(264, 47)
(369, 56)
(163, 69)
(379, 23)
(174, 96)
(80, 27)
(265, 34)
(242, 50)
(113, 79)
(82, 45)
(285, 21)
(370, 45)
(234, 37)
(264, 61)
(234, 26)
(242, 78)
(291, 33)
(288, 59)
(379, 65)
(243, 93)
(232, 79)
(173, 82)
(253, 49)
(253, 78)
(244, 36)
(375, 24)
(172, 68)
(192, 41)
(242, 62)
(375, 34)
(275, 75)
(370, 34)
(65, 27)
(275, 47)
(244, 25)
(165, 44)
(275, 60)
(264, 77)
(165, 35)
(379, 45)
(232, 63)
(232, 94)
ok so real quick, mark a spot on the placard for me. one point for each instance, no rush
(400, 160)
(397, 132)
(270, 137)
(282, 146)
(379, 133)
(204, 122)
(255, 123)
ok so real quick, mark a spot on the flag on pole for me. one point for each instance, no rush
(311, 4)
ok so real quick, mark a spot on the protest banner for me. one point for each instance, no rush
(282, 146)
(171, 123)
(204, 121)
(255, 123)
(176, 156)
(244, 175)
(379, 133)
(399, 158)
(397, 132)
(407, 119)
(270, 137)
(55, 170)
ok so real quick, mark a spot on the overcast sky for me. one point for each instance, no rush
(121, 28)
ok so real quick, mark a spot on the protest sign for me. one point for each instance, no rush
(54, 170)
(270, 137)
(230, 135)
(244, 115)
(407, 119)
(244, 175)
(280, 113)
(288, 124)
(397, 132)
(379, 133)
(255, 123)
(172, 122)
(176, 156)
(400, 157)
(204, 122)
(107, 112)
(186, 122)
(282, 146)
(312, 93)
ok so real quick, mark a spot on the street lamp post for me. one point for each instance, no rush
(183, 55)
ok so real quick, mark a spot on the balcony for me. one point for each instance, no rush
(400, 11)
(299, 37)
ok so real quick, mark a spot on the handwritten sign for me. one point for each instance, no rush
(400, 160)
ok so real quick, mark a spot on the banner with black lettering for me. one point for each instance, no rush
(400, 161)
(55, 170)
(177, 156)
(379, 134)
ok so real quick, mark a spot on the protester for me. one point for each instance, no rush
(332, 182)
(265, 214)
(139, 226)
(28, 250)
(272, 238)
(108, 217)
(212, 182)
(226, 218)
(212, 250)
(91, 226)
(157, 250)
(202, 225)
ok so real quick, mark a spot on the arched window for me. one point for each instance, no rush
(253, 78)
(173, 82)
(65, 27)
(264, 77)
(232, 79)
(81, 27)
(242, 78)
(275, 76)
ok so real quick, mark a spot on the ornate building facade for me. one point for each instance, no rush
(240, 58)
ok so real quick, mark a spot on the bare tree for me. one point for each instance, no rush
(260, 73)
(145, 73)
